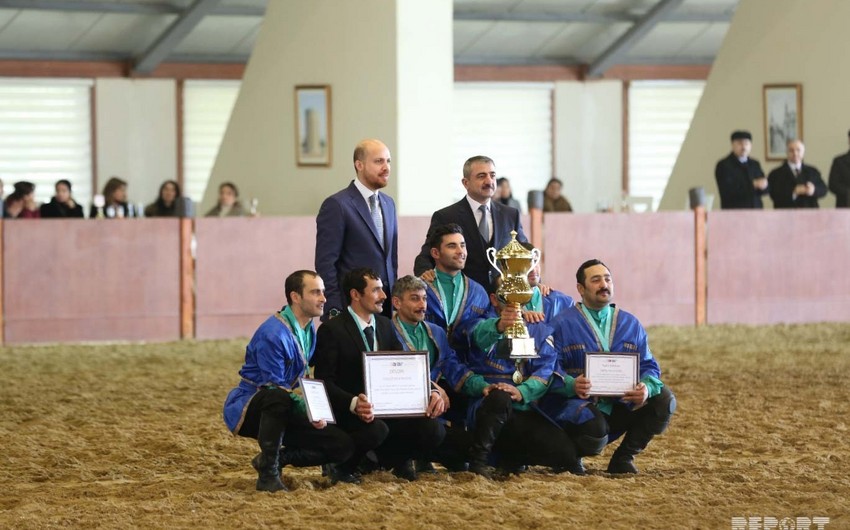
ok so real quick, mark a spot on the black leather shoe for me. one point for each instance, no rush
(481, 469)
(406, 470)
(622, 466)
(340, 474)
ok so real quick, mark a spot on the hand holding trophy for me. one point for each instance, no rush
(513, 263)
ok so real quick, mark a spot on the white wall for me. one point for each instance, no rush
(589, 142)
(136, 121)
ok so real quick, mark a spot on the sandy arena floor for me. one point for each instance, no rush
(130, 436)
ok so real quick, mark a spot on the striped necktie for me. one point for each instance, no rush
(375, 210)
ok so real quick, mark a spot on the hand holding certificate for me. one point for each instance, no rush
(611, 374)
(318, 404)
(397, 384)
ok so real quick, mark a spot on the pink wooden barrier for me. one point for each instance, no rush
(91, 280)
(651, 257)
(773, 266)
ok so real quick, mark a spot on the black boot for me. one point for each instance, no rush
(269, 437)
(489, 421)
(652, 422)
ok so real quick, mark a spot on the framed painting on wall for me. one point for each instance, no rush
(783, 118)
(313, 125)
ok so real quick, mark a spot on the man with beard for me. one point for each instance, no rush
(485, 222)
(357, 227)
(597, 325)
(341, 342)
(265, 405)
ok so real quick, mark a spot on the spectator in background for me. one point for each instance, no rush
(115, 199)
(795, 184)
(228, 202)
(166, 204)
(553, 201)
(839, 179)
(27, 190)
(504, 194)
(62, 204)
(13, 205)
(740, 180)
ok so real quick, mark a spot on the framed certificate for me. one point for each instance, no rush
(611, 374)
(397, 383)
(316, 398)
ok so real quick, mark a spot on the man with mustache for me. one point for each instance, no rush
(595, 325)
(357, 227)
(486, 223)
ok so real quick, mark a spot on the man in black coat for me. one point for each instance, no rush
(492, 228)
(338, 361)
(795, 184)
(839, 179)
(740, 180)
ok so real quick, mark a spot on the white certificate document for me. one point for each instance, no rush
(611, 374)
(397, 383)
(316, 397)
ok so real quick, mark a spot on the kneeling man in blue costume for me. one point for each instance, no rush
(596, 325)
(266, 405)
(501, 416)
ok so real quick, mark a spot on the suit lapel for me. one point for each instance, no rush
(359, 205)
(353, 331)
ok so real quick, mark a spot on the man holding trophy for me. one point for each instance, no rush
(607, 381)
(507, 370)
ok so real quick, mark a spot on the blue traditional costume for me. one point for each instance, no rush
(457, 304)
(594, 422)
(551, 305)
(520, 434)
(266, 404)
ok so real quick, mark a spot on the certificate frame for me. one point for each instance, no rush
(413, 367)
(629, 367)
(320, 390)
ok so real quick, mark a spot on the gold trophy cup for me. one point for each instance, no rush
(513, 263)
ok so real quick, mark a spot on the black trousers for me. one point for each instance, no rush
(410, 438)
(366, 436)
(651, 419)
(297, 431)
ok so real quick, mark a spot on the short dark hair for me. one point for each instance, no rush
(408, 283)
(357, 279)
(295, 283)
(500, 180)
(555, 180)
(740, 135)
(580, 276)
(24, 187)
(229, 185)
(66, 182)
(467, 166)
(441, 231)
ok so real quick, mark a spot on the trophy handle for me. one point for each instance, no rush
(535, 257)
(491, 257)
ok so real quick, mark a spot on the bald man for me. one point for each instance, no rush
(795, 184)
(357, 227)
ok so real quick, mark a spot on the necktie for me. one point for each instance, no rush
(369, 331)
(375, 210)
(484, 223)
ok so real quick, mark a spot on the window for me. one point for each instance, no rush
(206, 110)
(660, 114)
(45, 135)
(512, 124)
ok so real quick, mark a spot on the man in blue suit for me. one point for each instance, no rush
(357, 227)
(485, 222)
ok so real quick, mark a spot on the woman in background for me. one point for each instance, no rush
(27, 191)
(115, 199)
(166, 204)
(228, 202)
(62, 204)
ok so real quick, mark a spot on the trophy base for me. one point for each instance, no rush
(516, 348)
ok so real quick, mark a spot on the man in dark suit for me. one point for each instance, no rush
(740, 180)
(357, 227)
(338, 361)
(839, 179)
(492, 228)
(795, 184)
